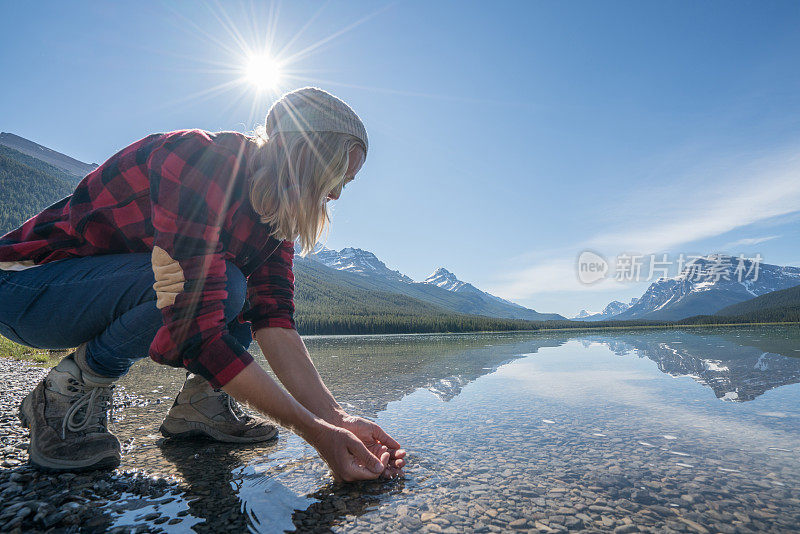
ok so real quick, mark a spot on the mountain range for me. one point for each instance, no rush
(442, 289)
(705, 287)
(612, 309)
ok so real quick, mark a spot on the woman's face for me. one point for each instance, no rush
(355, 160)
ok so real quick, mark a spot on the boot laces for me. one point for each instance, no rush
(88, 408)
(232, 406)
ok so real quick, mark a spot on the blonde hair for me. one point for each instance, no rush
(291, 175)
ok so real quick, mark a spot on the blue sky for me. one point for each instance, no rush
(504, 139)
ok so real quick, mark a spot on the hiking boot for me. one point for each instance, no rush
(67, 416)
(202, 411)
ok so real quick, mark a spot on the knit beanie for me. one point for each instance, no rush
(313, 110)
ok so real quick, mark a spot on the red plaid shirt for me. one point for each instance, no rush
(187, 193)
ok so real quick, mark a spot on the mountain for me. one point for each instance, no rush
(614, 308)
(331, 301)
(356, 260)
(461, 298)
(77, 169)
(28, 186)
(445, 279)
(707, 285)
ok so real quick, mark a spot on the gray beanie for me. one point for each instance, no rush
(313, 110)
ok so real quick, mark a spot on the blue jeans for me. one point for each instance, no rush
(107, 301)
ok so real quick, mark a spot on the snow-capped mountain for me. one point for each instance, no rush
(707, 285)
(444, 279)
(442, 288)
(614, 308)
(356, 260)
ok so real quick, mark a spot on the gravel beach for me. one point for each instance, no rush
(34, 501)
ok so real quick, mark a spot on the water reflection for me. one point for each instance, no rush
(369, 372)
(499, 424)
(737, 365)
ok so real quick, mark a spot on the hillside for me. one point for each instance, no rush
(785, 298)
(28, 185)
(329, 301)
(781, 306)
(787, 314)
(77, 169)
(442, 289)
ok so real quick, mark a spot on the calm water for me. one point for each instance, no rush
(694, 431)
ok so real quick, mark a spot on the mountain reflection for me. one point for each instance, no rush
(370, 372)
(738, 365)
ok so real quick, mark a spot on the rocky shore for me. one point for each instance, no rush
(60, 503)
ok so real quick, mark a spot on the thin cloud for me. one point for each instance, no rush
(750, 241)
(691, 211)
(747, 204)
(550, 276)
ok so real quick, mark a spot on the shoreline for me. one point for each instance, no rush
(676, 326)
(47, 358)
(560, 329)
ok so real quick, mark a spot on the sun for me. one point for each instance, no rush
(263, 72)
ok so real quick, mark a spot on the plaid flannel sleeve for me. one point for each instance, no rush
(270, 291)
(188, 196)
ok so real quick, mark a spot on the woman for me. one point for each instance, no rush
(180, 246)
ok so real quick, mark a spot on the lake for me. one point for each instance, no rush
(694, 430)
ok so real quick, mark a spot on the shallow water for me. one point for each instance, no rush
(685, 430)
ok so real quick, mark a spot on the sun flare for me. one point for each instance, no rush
(263, 72)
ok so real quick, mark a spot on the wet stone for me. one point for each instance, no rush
(518, 523)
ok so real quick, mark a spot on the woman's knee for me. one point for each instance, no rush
(236, 287)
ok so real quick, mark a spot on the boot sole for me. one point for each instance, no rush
(54, 465)
(182, 429)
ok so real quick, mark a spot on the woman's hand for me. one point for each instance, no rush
(346, 455)
(377, 441)
(288, 357)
